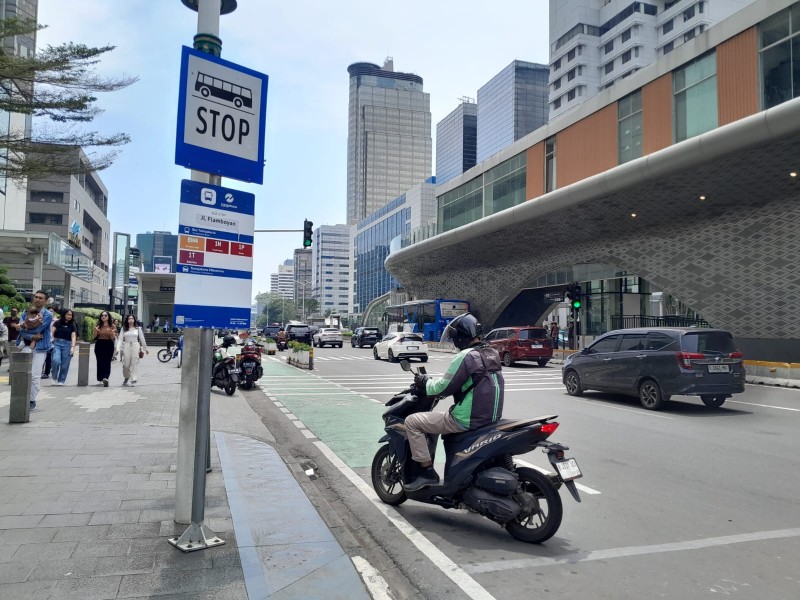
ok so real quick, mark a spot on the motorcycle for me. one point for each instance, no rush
(480, 473)
(282, 345)
(249, 364)
(224, 372)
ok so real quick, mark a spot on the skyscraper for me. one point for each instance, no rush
(282, 282)
(456, 141)
(389, 147)
(157, 243)
(302, 279)
(330, 270)
(511, 105)
(594, 43)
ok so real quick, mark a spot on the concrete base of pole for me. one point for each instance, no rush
(12, 348)
(19, 409)
(83, 363)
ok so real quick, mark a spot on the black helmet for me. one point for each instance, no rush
(462, 330)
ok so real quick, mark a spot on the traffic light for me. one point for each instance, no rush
(308, 232)
(573, 295)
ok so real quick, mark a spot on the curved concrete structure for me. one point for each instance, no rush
(732, 257)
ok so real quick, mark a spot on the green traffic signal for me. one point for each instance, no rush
(576, 304)
(308, 233)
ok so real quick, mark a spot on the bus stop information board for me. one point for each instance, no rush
(213, 281)
(221, 113)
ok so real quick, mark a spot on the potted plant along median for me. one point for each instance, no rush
(298, 355)
(269, 345)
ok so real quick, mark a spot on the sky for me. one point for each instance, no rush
(305, 47)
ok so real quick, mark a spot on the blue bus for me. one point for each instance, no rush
(428, 317)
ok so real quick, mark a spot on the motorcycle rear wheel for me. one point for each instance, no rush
(230, 389)
(543, 523)
(386, 477)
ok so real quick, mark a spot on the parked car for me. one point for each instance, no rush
(299, 332)
(657, 363)
(365, 336)
(327, 337)
(521, 343)
(395, 346)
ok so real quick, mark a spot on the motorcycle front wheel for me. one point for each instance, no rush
(544, 521)
(230, 389)
(387, 477)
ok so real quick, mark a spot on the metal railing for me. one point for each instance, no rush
(631, 321)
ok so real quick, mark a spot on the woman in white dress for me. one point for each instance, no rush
(133, 347)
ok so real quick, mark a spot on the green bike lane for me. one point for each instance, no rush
(348, 422)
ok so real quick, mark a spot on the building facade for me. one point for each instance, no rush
(372, 239)
(330, 270)
(595, 43)
(511, 105)
(692, 218)
(303, 282)
(282, 282)
(456, 141)
(158, 243)
(389, 146)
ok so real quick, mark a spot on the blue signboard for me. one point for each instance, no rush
(221, 117)
(213, 281)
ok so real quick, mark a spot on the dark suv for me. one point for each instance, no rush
(299, 332)
(521, 343)
(365, 336)
(656, 363)
(271, 331)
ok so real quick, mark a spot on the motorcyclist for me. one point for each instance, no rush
(281, 338)
(475, 381)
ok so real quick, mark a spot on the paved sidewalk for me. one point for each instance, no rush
(87, 497)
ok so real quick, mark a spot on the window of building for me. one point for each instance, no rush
(629, 114)
(780, 56)
(688, 14)
(609, 67)
(45, 219)
(626, 56)
(626, 35)
(668, 48)
(571, 75)
(695, 89)
(550, 164)
(557, 103)
(609, 47)
(689, 35)
(571, 55)
(570, 95)
(557, 65)
(667, 27)
(557, 83)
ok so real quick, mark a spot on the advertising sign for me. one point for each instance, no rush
(162, 264)
(213, 282)
(221, 114)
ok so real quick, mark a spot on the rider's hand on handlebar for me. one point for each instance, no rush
(420, 380)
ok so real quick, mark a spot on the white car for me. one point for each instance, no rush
(395, 346)
(327, 337)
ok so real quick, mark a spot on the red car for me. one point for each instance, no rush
(521, 343)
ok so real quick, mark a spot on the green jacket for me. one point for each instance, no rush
(478, 405)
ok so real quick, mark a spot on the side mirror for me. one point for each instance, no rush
(405, 365)
(585, 351)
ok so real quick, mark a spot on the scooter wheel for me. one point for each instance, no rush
(386, 477)
(230, 389)
(543, 522)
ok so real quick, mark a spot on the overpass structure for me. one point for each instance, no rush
(713, 220)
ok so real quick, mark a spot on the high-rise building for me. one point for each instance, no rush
(456, 141)
(389, 145)
(330, 271)
(157, 243)
(282, 282)
(511, 105)
(302, 279)
(594, 43)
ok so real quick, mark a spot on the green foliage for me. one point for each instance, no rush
(267, 341)
(299, 346)
(88, 319)
(9, 296)
(87, 328)
(277, 310)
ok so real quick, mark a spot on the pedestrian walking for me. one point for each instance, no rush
(132, 347)
(105, 337)
(48, 362)
(41, 342)
(3, 341)
(9, 321)
(65, 337)
(554, 335)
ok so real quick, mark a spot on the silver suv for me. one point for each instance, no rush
(328, 337)
(656, 363)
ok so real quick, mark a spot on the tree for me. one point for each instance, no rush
(58, 84)
(277, 309)
(9, 296)
(311, 306)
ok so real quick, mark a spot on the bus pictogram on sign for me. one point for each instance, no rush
(224, 90)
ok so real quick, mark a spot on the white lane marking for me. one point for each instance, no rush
(534, 389)
(376, 585)
(456, 574)
(643, 412)
(580, 486)
(765, 405)
(290, 416)
(578, 557)
(285, 410)
(307, 433)
(299, 424)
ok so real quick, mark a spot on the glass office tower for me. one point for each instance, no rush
(389, 146)
(456, 137)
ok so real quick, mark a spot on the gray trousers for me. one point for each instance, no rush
(418, 424)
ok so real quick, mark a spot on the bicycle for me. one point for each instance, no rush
(167, 354)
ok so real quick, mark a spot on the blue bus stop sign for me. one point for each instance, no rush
(221, 115)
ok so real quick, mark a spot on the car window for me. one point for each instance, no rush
(411, 338)
(632, 341)
(503, 334)
(389, 336)
(537, 333)
(491, 335)
(607, 344)
(372, 332)
(658, 341)
(710, 342)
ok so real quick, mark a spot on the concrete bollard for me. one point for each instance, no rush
(19, 409)
(83, 363)
(12, 348)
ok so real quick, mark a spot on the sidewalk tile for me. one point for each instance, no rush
(97, 506)
(113, 517)
(71, 520)
(15, 572)
(20, 522)
(125, 565)
(93, 588)
(98, 548)
(73, 568)
(44, 551)
(90, 532)
(49, 508)
(134, 530)
(28, 536)
(30, 590)
(196, 581)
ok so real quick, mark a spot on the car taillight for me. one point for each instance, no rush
(685, 358)
(549, 428)
(736, 354)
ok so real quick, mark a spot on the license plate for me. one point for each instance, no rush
(536, 345)
(568, 469)
(249, 371)
(412, 347)
(234, 370)
(719, 369)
